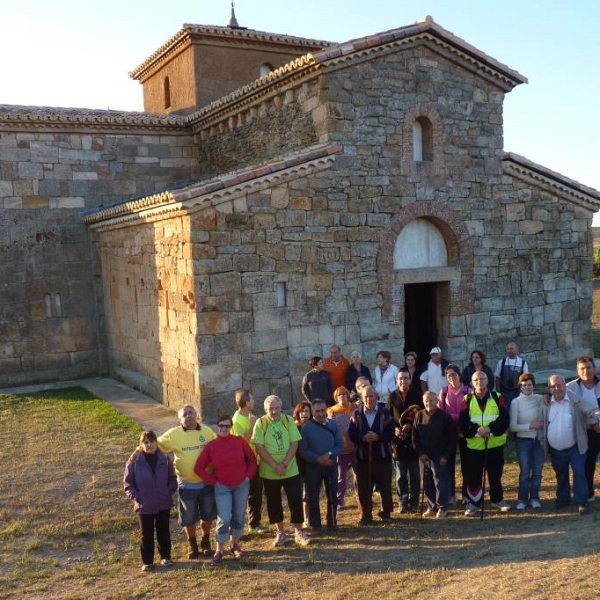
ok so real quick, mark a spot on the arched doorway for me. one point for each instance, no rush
(420, 248)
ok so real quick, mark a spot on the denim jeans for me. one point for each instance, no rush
(436, 483)
(561, 461)
(408, 481)
(231, 510)
(531, 462)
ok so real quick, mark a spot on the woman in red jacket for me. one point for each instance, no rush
(233, 466)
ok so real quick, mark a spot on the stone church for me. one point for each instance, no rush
(277, 195)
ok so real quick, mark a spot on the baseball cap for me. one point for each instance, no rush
(435, 350)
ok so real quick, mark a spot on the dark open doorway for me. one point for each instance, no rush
(421, 319)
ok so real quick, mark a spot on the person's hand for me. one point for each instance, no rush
(536, 425)
(324, 460)
(484, 432)
(443, 461)
(597, 427)
(424, 459)
(252, 419)
(370, 436)
(280, 469)
(406, 427)
(398, 431)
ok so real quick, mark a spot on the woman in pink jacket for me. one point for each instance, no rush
(233, 466)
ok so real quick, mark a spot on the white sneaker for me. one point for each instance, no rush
(280, 539)
(502, 505)
(441, 514)
(536, 504)
(301, 538)
(429, 512)
(471, 510)
(521, 505)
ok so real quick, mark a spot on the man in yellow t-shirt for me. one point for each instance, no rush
(196, 498)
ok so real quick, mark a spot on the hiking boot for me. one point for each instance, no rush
(471, 510)
(301, 538)
(148, 568)
(429, 512)
(502, 505)
(205, 545)
(237, 551)
(217, 559)
(583, 508)
(259, 529)
(193, 550)
(404, 508)
(166, 562)
(280, 539)
(441, 513)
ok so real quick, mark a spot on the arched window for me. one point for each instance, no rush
(422, 140)
(167, 92)
(265, 69)
(420, 244)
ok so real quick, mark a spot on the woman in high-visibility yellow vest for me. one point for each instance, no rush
(484, 422)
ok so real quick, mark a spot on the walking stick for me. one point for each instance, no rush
(423, 491)
(370, 478)
(483, 478)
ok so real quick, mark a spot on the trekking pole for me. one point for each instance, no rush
(485, 452)
(370, 477)
(423, 491)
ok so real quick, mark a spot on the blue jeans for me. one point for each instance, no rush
(231, 510)
(561, 461)
(408, 481)
(436, 483)
(531, 462)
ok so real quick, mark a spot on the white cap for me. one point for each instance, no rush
(435, 350)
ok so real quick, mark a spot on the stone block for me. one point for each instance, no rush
(212, 323)
(225, 284)
(264, 341)
(259, 282)
(222, 376)
(275, 318)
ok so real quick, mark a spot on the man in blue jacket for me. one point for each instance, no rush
(320, 446)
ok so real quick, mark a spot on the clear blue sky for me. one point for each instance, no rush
(79, 52)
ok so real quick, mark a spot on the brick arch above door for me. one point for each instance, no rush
(459, 272)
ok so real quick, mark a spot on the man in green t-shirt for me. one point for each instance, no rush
(276, 438)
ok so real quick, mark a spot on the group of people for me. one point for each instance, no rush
(402, 426)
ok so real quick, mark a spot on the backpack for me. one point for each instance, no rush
(264, 422)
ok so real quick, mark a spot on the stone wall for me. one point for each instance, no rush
(149, 293)
(51, 315)
(264, 129)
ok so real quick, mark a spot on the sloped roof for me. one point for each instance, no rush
(217, 33)
(533, 173)
(337, 55)
(214, 190)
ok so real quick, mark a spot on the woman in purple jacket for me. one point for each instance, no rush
(150, 481)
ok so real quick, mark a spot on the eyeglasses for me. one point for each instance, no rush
(224, 426)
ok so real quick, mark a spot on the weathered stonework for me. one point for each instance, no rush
(279, 232)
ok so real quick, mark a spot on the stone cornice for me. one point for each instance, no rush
(557, 184)
(78, 119)
(223, 35)
(424, 31)
(212, 192)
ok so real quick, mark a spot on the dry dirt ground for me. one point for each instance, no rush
(67, 531)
